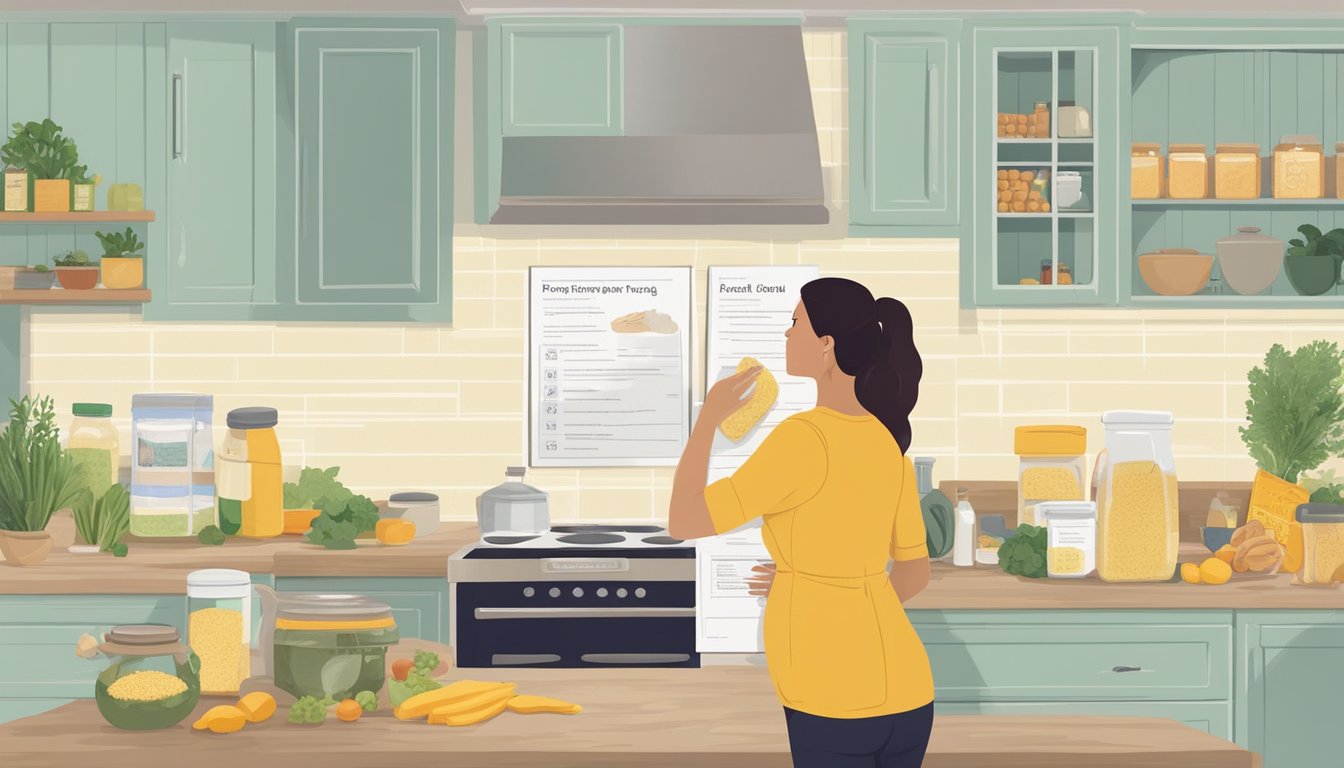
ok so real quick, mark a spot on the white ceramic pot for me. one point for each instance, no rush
(1249, 260)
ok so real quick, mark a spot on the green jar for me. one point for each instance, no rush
(330, 645)
(153, 681)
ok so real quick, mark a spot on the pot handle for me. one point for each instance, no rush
(266, 641)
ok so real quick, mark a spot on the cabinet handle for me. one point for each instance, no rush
(935, 126)
(1126, 669)
(182, 247)
(177, 116)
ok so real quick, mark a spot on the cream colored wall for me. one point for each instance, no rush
(441, 409)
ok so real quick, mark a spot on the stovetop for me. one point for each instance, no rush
(639, 541)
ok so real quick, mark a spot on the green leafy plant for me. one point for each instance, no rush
(367, 700)
(103, 521)
(36, 476)
(418, 680)
(341, 522)
(308, 710)
(44, 151)
(1023, 553)
(1316, 244)
(120, 244)
(316, 489)
(1296, 412)
(73, 259)
(211, 535)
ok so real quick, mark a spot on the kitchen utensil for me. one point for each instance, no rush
(1074, 121)
(152, 681)
(1051, 463)
(219, 627)
(419, 508)
(325, 645)
(1068, 188)
(1138, 521)
(172, 465)
(513, 507)
(1216, 538)
(1249, 261)
(1176, 271)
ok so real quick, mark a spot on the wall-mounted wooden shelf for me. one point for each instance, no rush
(1262, 202)
(61, 296)
(97, 217)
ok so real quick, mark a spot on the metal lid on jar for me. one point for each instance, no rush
(1320, 513)
(1067, 510)
(1050, 441)
(219, 583)
(143, 634)
(413, 497)
(252, 418)
(308, 611)
(172, 401)
(95, 410)
(1148, 419)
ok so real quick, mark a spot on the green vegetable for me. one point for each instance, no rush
(212, 535)
(1296, 412)
(42, 150)
(938, 525)
(367, 700)
(425, 662)
(415, 682)
(114, 519)
(36, 476)
(308, 711)
(119, 549)
(1023, 553)
(85, 511)
(316, 489)
(338, 529)
(41, 268)
(118, 244)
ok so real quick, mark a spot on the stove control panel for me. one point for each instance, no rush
(620, 593)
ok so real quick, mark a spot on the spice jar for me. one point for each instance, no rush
(152, 681)
(1147, 174)
(1039, 126)
(1071, 538)
(1236, 171)
(1339, 170)
(1322, 543)
(1299, 168)
(219, 627)
(1047, 272)
(1187, 172)
(1051, 463)
(1065, 275)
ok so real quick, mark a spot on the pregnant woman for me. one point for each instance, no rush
(843, 525)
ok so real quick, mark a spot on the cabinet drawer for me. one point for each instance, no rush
(1104, 657)
(1212, 717)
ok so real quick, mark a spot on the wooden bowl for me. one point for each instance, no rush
(1176, 271)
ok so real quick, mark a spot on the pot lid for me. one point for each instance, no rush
(143, 634)
(1249, 234)
(218, 577)
(331, 608)
(514, 490)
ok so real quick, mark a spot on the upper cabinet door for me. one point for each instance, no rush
(373, 131)
(220, 143)
(560, 79)
(903, 123)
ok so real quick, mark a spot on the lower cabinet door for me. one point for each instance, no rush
(1213, 717)
(1288, 699)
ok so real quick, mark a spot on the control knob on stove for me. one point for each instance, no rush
(640, 593)
(529, 591)
(578, 591)
(602, 592)
(555, 592)
(622, 592)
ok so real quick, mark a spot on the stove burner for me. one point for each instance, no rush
(586, 529)
(508, 539)
(591, 538)
(643, 529)
(663, 540)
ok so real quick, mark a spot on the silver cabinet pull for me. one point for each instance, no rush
(486, 614)
(935, 129)
(177, 116)
(634, 658)
(514, 659)
(1126, 669)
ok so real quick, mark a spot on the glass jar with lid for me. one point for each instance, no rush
(1299, 168)
(1187, 172)
(94, 447)
(513, 507)
(1236, 171)
(152, 681)
(1051, 466)
(1071, 536)
(172, 465)
(1138, 519)
(1322, 543)
(325, 645)
(219, 627)
(1147, 172)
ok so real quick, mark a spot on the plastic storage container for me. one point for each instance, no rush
(1147, 172)
(1299, 168)
(1322, 543)
(219, 627)
(1071, 535)
(251, 492)
(422, 509)
(1187, 172)
(1138, 520)
(326, 645)
(1236, 171)
(1052, 466)
(94, 446)
(152, 681)
(172, 465)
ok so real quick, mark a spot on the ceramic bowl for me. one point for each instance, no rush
(1217, 538)
(1176, 272)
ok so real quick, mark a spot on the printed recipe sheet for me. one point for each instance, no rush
(609, 365)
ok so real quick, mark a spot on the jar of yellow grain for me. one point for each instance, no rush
(1322, 543)
(219, 627)
(1052, 462)
(1236, 171)
(1187, 172)
(1299, 168)
(1138, 515)
(152, 681)
(1147, 172)
(1071, 538)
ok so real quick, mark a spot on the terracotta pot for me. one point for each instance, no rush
(77, 278)
(25, 547)
(123, 273)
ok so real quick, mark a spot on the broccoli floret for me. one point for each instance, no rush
(307, 711)
(367, 700)
(426, 662)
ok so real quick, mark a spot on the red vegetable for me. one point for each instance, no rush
(401, 668)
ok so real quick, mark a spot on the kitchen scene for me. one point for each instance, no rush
(348, 358)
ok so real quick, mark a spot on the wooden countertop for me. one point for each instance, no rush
(715, 716)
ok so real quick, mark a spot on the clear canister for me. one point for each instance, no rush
(1147, 172)
(172, 465)
(1299, 168)
(1236, 171)
(1187, 172)
(1071, 535)
(1322, 543)
(251, 496)
(94, 447)
(1138, 516)
(1051, 467)
(219, 627)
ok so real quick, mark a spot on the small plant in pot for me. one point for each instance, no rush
(36, 278)
(37, 478)
(76, 272)
(1313, 263)
(123, 265)
(51, 160)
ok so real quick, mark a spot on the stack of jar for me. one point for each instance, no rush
(1052, 464)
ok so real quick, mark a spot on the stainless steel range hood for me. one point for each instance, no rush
(718, 129)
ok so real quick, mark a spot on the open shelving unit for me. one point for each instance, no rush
(60, 296)
(76, 217)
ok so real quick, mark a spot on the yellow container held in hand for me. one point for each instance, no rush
(248, 476)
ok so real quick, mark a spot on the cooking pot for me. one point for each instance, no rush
(1249, 260)
(513, 507)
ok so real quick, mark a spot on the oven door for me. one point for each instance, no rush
(576, 624)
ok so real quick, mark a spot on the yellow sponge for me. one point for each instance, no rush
(763, 395)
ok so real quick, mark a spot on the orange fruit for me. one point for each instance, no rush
(349, 710)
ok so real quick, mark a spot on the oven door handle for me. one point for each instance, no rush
(486, 614)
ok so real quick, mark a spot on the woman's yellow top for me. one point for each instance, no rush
(839, 501)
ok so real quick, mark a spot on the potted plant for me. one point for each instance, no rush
(75, 272)
(51, 160)
(36, 479)
(1313, 264)
(82, 199)
(36, 278)
(123, 265)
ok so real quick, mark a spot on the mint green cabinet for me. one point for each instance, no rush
(1212, 717)
(220, 250)
(419, 605)
(1290, 673)
(559, 79)
(904, 133)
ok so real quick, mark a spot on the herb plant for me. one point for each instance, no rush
(73, 259)
(1316, 244)
(316, 489)
(1296, 411)
(418, 680)
(103, 521)
(120, 244)
(341, 522)
(44, 151)
(1023, 553)
(36, 476)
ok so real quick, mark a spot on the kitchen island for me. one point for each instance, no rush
(654, 718)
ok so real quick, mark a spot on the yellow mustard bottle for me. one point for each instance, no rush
(248, 475)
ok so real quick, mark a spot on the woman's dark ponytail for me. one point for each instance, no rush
(874, 343)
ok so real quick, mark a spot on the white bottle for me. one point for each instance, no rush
(963, 541)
